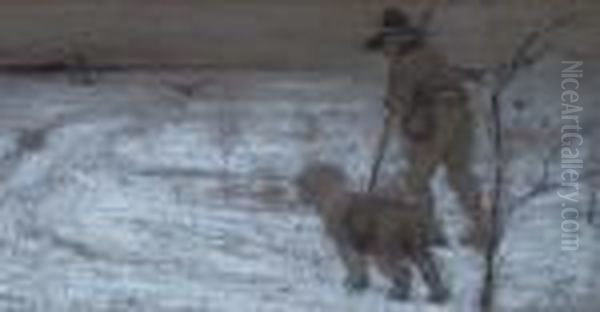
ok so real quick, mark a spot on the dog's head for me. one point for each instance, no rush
(318, 181)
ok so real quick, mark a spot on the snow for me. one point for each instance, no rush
(142, 197)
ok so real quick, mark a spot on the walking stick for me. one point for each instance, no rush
(381, 149)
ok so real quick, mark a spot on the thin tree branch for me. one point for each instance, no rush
(546, 186)
(524, 56)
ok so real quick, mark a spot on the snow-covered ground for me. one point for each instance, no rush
(169, 191)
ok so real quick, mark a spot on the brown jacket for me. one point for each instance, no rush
(423, 90)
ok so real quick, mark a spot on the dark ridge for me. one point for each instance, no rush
(51, 67)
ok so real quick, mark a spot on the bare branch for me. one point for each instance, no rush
(524, 55)
(547, 186)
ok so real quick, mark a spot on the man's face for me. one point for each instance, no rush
(400, 45)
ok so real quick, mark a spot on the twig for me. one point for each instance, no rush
(546, 187)
(523, 56)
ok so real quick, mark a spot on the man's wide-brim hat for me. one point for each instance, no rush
(396, 27)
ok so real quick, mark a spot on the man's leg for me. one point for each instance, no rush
(423, 161)
(458, 162)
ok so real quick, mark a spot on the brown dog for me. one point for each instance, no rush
(369, 227)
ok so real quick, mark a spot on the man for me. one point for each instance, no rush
(430, 106)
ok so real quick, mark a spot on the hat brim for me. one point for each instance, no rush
(377, 41)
